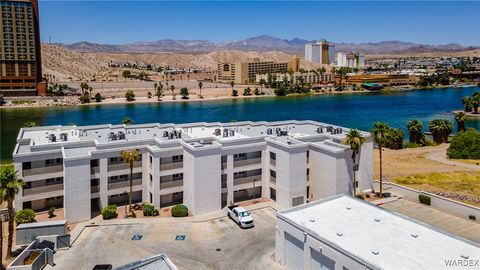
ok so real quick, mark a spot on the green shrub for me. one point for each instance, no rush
(149, 210)
(84, 98)
(430, 143)
(129, 95)
(465, 145)
(472, 217)
(234, 93)
(247, 91)
(179, 210)
(98, 97)
(25, 216)
(360, 196)
(411, 145)
(424, 199)
(109, 212)
(51, 212)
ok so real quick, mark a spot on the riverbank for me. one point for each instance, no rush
(468, 114)
(207, 95)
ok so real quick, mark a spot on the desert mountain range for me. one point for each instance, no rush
(263, 43)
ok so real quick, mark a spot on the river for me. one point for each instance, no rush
(358, 110)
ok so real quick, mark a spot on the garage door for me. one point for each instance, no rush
(293, 252)
(320, 261)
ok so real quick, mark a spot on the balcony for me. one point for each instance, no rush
(94, 170)
(43, 170)
(273, 162)
(273, 180)
(246, 162)
(224, 165)
(247, 179)
(171, 166)
(124, 184)
(42, 189)
(171, 184)
(94, 189)
(123, 166)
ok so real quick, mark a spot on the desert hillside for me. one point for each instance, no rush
(65, 63)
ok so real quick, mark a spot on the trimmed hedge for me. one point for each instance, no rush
(149, 210)
(25, 216)
(109, 212)
(424, 199)
(179, 210)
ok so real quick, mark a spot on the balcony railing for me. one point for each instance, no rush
(43, 170)
(123, 184)
(94, 189)
(94, 170)
(42, 189)
(224, 165)
(248, 179)
(123, 166)
(273, 180)
(273, 162)
(171, 166)
(171, 184)
(246, 162)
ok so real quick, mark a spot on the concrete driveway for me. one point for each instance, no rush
(215, 244)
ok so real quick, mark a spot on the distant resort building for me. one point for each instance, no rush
(343, 232)
(245, 72)
(321, 52)
(20, 49)
(384, 79)
(206, 166)
(350, 60)
(297, 77)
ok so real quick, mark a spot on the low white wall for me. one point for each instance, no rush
(451, 206)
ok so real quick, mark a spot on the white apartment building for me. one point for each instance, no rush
(205, 166)
(351, 60)
(321, 52)
(342, 232)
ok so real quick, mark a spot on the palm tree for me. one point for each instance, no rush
(130, 157)
(10, 185)
(232, 84)
(159, 90)
(172, 88)
(460, 117)
(200, 85)
(440, 129)
(155, 87)
(30, 124)
(415, 128)
(475, 100)
(380, 136)
(467, 103)
(355, 139)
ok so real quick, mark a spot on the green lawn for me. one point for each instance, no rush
(5, 164)
(463, 183)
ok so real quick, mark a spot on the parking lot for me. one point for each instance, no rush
(215, 244)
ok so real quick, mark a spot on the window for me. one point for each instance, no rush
(273, 194)
(273, 173)
(273, 156)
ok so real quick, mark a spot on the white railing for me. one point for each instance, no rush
(42, 189)
(246, 162)
(123, 166)
(170, 184)
(124, 184)
(43, 170)
(248, 179)
(171, 166)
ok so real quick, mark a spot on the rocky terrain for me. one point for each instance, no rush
(72, 65)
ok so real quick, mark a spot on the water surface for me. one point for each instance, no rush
(351, 110)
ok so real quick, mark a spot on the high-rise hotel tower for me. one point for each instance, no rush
(21, 66)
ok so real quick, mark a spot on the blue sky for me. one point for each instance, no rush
(118, 22)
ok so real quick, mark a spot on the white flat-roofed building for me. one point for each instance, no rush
(343, 232)
(321, 52)
(205, 166)
(350, 60)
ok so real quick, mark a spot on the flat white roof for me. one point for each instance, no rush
(378, 236)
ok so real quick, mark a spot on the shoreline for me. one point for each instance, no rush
(72, 101)
(169, 99)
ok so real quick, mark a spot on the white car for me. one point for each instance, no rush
(240, 215)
